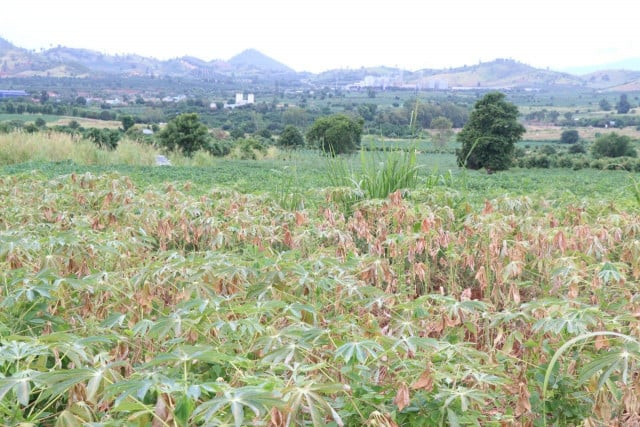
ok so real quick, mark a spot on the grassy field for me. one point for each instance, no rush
(27, 118)
(254, 293)
(553, 133)
(53, 120)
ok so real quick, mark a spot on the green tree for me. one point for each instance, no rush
(623, 105)
(291, 137)
(185, 133)
(336, 134)
(488, 139)
(569, 136)
(613, 145)
(442, 127)
(295, 116)
(127, 122)
(368, 111)
(604, 105)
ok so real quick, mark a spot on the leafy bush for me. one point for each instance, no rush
(570, 136)
(291, 138)
(548, 149)
(613, 145)
(336, 134)
(248, 149)
(185, 133)
(103, 138)
(219, 148)
(577, 149)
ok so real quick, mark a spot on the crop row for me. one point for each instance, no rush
(137, 307)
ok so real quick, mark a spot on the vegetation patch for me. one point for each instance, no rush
(153, 306)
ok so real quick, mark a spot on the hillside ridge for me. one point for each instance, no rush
(499, 74)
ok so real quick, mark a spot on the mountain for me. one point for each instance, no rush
(71, 62)
(256, 67)
(252, 59)
(19, 62)
(5, 46)
(625, 64)
(500, 73)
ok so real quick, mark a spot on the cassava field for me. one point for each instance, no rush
(255, 293)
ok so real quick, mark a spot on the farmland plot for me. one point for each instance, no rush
(122, 306)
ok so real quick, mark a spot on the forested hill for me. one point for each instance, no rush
(251, 64)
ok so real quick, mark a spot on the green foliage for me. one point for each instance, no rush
(488, 139)
(635, 190)
(443, 132)
(237, 133)
(127, 122)
(185, 133)
(604, 105)
(336, 134)
(613, 145)
(291, 138)
(219, 148)
(423, 113)
(248, 149)
(103, 138)
(623, 105)
(577, 149)
(380, 173)
(569, 136)
(383, 173)
(157, 299)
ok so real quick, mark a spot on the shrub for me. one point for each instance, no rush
(613, 145)
(291, 137)
(219, 148)
(569, 136)
(577, 149)
(336, 134)
(248, 149)
(565, 162)
(547, 149)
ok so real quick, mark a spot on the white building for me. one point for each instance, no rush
(241, 100)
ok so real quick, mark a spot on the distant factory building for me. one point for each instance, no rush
(241, 100)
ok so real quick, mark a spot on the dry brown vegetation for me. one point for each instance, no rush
(227, 309)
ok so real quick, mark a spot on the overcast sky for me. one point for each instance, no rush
(317, 35)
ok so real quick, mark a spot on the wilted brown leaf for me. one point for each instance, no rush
(523, 405)
(402, 397)
(277, 418)
(162, 412)
(601, 342)
(425, 381)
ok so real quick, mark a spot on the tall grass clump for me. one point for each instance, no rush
(131, 153)
(635, 191)
(380, 172)
(20, 147)
(384, 172)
